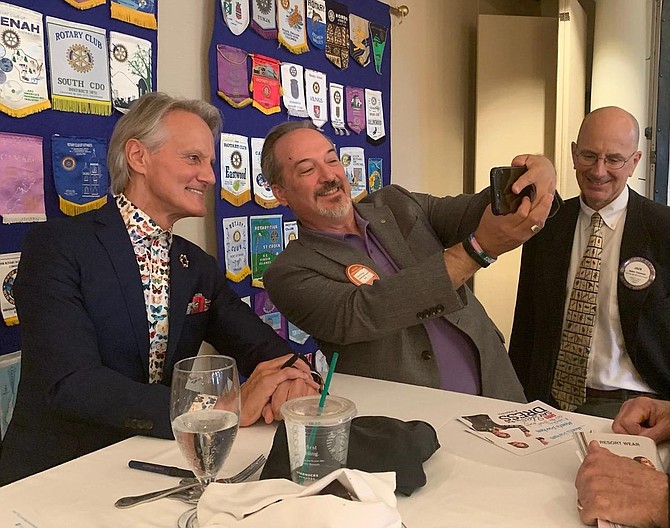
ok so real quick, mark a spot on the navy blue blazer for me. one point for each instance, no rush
(85, 341)
(540, 303)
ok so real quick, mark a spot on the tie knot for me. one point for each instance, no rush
(596, 222)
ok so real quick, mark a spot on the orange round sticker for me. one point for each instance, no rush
(359, 274)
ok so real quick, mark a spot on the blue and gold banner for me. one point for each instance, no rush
(80, 173)
(138, 12)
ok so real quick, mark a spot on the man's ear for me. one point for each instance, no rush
(136, 154)
(279, 193)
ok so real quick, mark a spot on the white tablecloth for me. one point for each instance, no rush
(471, 483)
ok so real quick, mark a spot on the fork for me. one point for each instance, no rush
(128, 502)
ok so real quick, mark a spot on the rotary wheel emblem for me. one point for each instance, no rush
(274, 236)
(8, 286)
(11, 39)
(69, 163)
(80, 58)
(236, 159)
(120, 53)
(264, 6)
(237, 236)
(316, 88)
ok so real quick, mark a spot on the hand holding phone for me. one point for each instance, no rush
(503, 199)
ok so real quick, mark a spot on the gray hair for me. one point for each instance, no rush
(272, 169)
(144, 123)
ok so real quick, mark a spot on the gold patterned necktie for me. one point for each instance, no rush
(569, 385)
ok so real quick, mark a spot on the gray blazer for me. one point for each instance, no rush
(378, 329)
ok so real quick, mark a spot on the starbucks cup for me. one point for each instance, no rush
(318, 439)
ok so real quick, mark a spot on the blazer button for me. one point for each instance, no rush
(440, 308)
(426, 355)
(420, 315)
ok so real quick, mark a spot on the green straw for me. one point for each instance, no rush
(329, 376)
(322, 403)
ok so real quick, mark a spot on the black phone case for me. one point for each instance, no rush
(503, 200)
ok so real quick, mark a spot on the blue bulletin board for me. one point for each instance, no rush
(252, 123)
(49, 122)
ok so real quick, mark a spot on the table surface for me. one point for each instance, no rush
(470, 481)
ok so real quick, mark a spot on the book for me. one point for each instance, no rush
(639, 448)
(523, 429)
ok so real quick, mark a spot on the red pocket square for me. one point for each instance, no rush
(198, 304)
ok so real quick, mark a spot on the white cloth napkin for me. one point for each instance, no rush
(282, 503)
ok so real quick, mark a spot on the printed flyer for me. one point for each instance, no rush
(524, 429)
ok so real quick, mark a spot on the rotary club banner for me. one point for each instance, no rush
(359, 39)
(316, 22)
(375, 174)
(291, 26)
(264, 18)
(80, 173)
(353, 161)
(85, 4)
(23, 84)
(139, 12)
(337, 34)
(355, 103)
(374, 116)
(130, 60)
(79, 68)
(293, 89)
(266, 244)
(268, 313)
(265, 84)
(232, 76)
(235, 15)
(9, 263)
(337, 109)
(236, 248)
(379, 34)
(263, 195)
(290, 231)
(21, 179)
(317, 102)
(234, 157)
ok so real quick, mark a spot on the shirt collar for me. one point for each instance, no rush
(612, 212)
(361, 222)
(138, 223)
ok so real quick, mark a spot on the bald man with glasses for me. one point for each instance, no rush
(592, 320)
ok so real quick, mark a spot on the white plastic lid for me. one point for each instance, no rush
(305, 410)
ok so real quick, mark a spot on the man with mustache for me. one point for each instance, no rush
(626, 349)
(383, 281)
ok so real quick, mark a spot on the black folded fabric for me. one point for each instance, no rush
(376, 444)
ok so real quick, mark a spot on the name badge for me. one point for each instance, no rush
(637, 273)
(359, 274)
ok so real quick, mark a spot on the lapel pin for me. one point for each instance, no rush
(184, 260)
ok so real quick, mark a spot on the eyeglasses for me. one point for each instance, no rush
(614, 162)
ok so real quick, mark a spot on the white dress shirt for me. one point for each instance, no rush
(609, 367)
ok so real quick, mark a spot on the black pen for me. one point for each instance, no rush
(170, 471)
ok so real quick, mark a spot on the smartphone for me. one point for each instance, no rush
(503, 200)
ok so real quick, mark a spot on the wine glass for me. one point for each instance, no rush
(205, 413)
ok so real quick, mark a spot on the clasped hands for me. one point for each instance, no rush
(270, 385)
